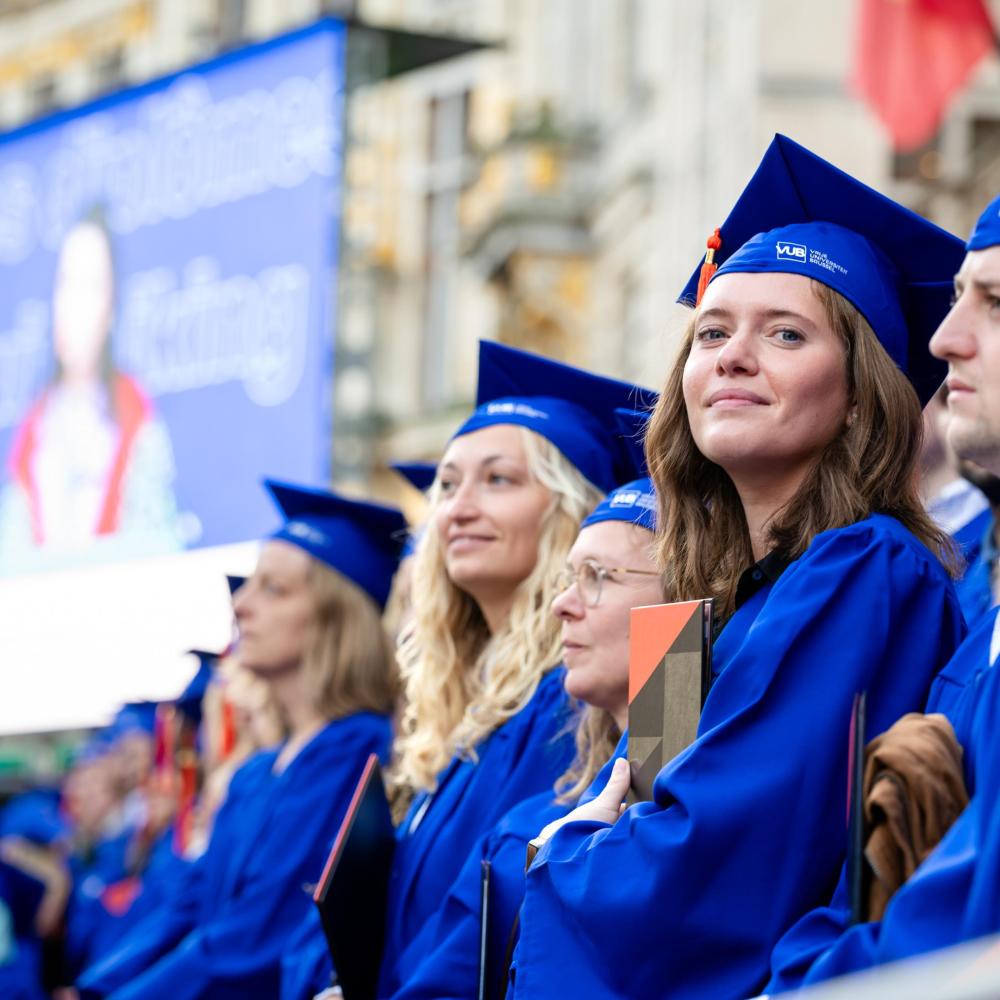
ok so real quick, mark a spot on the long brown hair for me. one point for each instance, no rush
(596, 735)
(350, 665)
(703, 544)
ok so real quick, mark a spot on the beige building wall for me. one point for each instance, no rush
(554, 191)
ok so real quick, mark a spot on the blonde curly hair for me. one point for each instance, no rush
(460, 682)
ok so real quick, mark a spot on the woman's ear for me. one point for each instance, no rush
(852, 415)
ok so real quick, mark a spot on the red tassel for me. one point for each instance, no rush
(714, 242)
(164, 740)
(227, 736)
(187, 793)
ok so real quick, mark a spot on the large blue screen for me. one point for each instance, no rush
(168, 257)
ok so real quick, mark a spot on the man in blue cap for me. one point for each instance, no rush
(952, 896)
(685, 896)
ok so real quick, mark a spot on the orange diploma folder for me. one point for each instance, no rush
(670, 671)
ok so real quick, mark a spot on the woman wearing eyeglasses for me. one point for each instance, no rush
(610, 569)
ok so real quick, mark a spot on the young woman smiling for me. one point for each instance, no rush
(485, 719)
(309, 621)
(784, 451)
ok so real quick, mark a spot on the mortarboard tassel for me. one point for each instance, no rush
(714, 242)
(187, 793)
(163, 755)
(227, 737)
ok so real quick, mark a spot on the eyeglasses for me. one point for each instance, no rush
(589, 576)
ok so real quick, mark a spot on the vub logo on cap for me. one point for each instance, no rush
(792, 251)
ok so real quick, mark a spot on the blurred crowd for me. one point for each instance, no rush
(822, 465)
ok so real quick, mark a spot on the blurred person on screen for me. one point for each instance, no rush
(90, 460)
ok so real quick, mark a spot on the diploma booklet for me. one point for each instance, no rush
(352, 893)
(670, 672)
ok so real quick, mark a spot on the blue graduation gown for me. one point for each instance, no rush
(20, 964)
(95, 930)
(520, 759)
(450, 945)
(306, 966)
(20, 948)
(222, 933)
(103, 866)
(690, 892)
(975, 540)
(928, 912)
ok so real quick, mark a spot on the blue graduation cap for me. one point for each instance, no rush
(410, 544)
(134, 717)
(986, 233)
(633, 503)
(632, 426)
(802, 215)
(96, 746)
(420, 475)
(189, 701)
(572, 408)
(34, 816)
(360, 539)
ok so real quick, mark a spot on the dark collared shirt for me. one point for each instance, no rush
(764, 571)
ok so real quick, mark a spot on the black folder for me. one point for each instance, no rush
(353, 890)
(857, 876)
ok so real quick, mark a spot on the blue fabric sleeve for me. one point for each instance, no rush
(306, 966)
(148, 940)
(452, 942)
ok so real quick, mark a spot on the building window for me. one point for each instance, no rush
(634, 349)
(447, 138)
(109, 70)
(231, 23)
(43, 96)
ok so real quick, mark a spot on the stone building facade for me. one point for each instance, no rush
(553, 189)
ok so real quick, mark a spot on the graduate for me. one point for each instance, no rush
(951, 896)
(105, 901)
(610, 570)
(485, 722)
(309, 621)
(784, 451)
